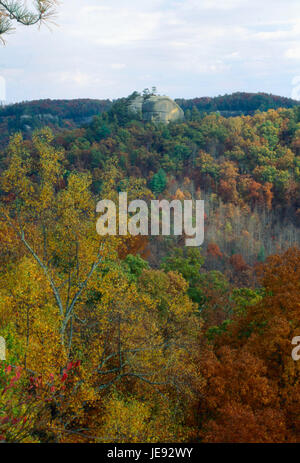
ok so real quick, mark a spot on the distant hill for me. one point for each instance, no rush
(65, 109)
(30, 115)
(27, 116)
(238, 103)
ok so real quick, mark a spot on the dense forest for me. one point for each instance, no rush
(141, 339)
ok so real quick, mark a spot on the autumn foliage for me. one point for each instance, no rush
(136, 339)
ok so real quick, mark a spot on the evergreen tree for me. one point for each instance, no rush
(262, 254)
(159, 181)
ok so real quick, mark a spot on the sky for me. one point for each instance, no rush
(186, 48)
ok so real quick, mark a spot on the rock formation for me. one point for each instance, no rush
(157, 109)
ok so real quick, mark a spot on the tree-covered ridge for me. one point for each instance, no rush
(246, 169)
(238, 103)
(67, 109)
(27, 116)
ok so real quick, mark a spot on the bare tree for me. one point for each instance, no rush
(17, 11)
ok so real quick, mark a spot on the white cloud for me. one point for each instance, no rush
(118, 66)
(213, 4)
(291, 31)
(108, 48)
(78, 78)
(293, 53)
(108, 26)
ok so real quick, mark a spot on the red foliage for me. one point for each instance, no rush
(214, 250)
(238, 263)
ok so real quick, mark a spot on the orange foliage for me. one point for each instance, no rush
(252, 384)
(134, 245)
(214, 250)
(238, 262)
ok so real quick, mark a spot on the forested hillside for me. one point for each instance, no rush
(245, 168)
(31, 115)
(238, 103)
(137, 339)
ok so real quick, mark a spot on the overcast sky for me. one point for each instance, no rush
(186, 48)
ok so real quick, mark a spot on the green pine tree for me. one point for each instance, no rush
(261, 257)
(159, 182)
